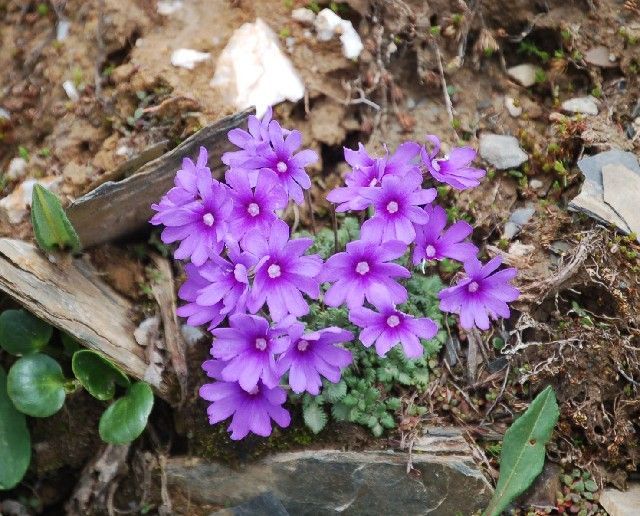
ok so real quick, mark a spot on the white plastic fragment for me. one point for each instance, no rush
(62, 29)
(188, 58)
(329, 23)
(252, 70)
(71, 91)
(168, 7)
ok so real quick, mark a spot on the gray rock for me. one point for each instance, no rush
(516, 221)
(445, 480)
(591, 200)
(591, 166)
(621, 503)
(525, 74)
(600, 56)
(583, 105)
(303, 15)
(622, 193)
(502, 151)
(264, 505)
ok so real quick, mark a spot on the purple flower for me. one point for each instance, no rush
(390, 327)
(227, 282)
(453, 168)
(281, 158)
(254, 209)
(282, 272)
(364, 173)
(480, 294)
(362, 272)
(197, 314)
(201, 225)
(433, 244)
(396, 208)
(252, 411)
(314, 354)
(249, 347)
(271, 147)
(251, 142)
(368, 172)
(187, 177)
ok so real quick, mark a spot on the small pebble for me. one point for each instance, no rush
(582, 105)
(303, 15)
(536, 184)
(525, 74)
(17, 169)
(514, 110)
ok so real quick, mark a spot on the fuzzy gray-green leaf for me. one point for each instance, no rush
(523, 450)
(314, 417)
(52, 228)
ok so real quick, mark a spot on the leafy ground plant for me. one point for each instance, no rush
(523, 450)
(36, 386)
(283, 318)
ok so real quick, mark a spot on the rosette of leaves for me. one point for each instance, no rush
(370, 388)
(36, 386)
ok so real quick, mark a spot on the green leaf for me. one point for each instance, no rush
(22, 333)
(15, 442)
(97, 374)
(523, 450)
(36, 385)
(70, 344)
(314, 417)
(52, 228)
(126, 418)
(334, 391)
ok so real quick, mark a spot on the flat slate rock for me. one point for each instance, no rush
(264, 505)
(622, 503)
(622, 193)
(601, 205)
(444, 480)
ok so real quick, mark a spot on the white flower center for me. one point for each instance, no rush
(261, 344)
(430, 251)
(281, 167)
(303, 345)
(393, 321)
(208, 219)
(373, 182)
(473, 286)
(362, 268)
(254, 391)
(253, 209)
(274, 270)
(392, 207)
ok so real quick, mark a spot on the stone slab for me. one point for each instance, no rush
(444, 480)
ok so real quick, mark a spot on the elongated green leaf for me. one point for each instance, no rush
(52, 228)
(36, 385)
(523, 450)
(314, 417)
(97, 374)
(22, 333)
(126, 418)
(15, 441)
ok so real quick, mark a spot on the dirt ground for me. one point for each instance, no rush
(436, 67)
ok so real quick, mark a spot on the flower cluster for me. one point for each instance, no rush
(245, 267)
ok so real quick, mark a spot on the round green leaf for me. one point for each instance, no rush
(97, 374)
(36, 385)
(126, 418)
(22, 333)
(15, 442)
